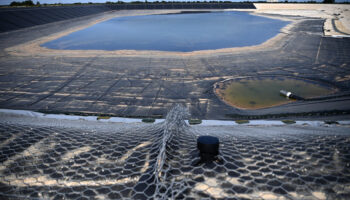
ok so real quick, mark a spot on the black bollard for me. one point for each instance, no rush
(208, 147)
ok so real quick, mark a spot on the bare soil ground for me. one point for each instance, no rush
(339, 13)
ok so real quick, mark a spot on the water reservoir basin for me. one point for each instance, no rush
(263, 92)
(184, 32)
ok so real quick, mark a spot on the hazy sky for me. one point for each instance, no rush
(7, 2)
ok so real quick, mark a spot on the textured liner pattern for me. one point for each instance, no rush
(17, 18)
(161, 162)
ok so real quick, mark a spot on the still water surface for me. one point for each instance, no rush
(173, 32)
(262, 92)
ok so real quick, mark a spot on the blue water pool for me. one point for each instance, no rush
(174, 32)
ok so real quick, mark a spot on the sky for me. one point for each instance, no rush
(7, 2)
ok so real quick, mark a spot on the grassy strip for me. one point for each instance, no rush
(103, 117)
(194, 121)
(148, 120)
(97, 114)
(232, 116)
(286, 115)
(242, 121)
(287, 121)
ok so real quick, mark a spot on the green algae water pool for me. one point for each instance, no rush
(174, 32)
(263, 92)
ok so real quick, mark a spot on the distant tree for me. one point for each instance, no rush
(24, 3)
(328, 1)
(38, 3)
(29, 3)
(14, 3)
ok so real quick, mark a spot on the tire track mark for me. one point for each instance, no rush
(108, 90)
(72, 78)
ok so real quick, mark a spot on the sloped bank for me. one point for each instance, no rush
(17, 18)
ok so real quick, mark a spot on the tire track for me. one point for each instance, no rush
(71, 79)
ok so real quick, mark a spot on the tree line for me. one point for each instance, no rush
(31, 3)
